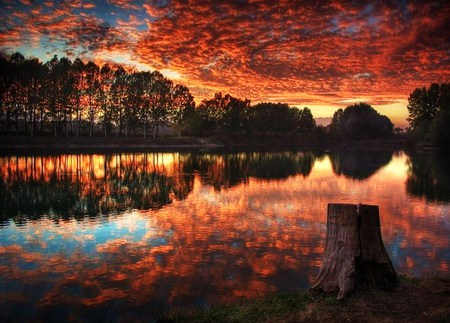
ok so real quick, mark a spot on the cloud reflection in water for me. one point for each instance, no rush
(222, 231)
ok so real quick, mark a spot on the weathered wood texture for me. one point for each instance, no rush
(355, 256)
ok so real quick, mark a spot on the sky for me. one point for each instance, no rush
(321, 54)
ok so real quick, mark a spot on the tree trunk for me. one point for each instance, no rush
(78, 126)
(355, 256)
(104, 124)
(32, 117)
(25, 119)
(16, 119)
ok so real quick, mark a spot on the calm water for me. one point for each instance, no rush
(122, 235)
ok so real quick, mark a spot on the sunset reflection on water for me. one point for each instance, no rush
(90, 234)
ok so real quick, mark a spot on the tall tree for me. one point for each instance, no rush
(161, 100)
(335, 125)
(210, 113)
(233, 116)
(275, 118)
(306, 122)
(361, 121)
(106, 81)
(92, 94)
(135, 100)
(66, 84)
(58, 89)
(34, 76)
(182, 106)
(146, 83)
(78, 74)
(429, 110)
(5, 83)
(16, 97)
(119, 90)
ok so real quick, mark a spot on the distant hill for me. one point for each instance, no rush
(323, 121)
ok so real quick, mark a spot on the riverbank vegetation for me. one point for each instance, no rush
(414, 300)
(429, 115)
(61, 98)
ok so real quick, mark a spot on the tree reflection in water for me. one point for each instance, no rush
(359, 164)
(429, 176)
(78, 186)
(239, 225)
(228, 170)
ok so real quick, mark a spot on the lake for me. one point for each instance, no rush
(119, 236)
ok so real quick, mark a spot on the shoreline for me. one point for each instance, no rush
(25, 144)
(424, 299)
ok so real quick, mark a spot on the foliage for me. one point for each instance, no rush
(61, 97)
(225, 114)
(68, 98)
(360, 121)
(440, 132)
(279, 118)
(429, 114)
(222, 114)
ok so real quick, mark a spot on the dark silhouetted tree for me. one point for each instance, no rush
(68, 98)
(92, 94)
(429, 110)
(119, 90)
(306, 122)
(274, 118)
(335, 125)
(361, 121)
(106, 81)
(182, 106)
(161, 101)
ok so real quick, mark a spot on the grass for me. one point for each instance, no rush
(253, 310)
(424, 299)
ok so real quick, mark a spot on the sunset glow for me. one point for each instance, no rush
(220, 242)
(324, 55)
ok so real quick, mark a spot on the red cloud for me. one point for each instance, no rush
(299, 52)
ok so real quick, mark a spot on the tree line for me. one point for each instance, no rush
(73, 98)
(76, 98)
(429, 114)
(66, 98)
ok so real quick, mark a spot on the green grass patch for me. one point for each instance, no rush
(274, 307)
(413, 300)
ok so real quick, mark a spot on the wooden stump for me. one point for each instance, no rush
(355, 256)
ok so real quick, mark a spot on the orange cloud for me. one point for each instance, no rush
(304, 53)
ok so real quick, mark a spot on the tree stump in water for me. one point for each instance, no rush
(355, 256)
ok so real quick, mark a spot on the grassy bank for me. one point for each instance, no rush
(414, 300)
(75, 144)
(69, 144)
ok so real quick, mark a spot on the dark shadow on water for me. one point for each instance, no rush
(63, 187)
(359, 164)
(429, 176)
(79, 192)
(228, 170)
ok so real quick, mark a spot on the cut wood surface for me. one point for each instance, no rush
(355, 256)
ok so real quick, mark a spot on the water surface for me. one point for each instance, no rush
(122, 235)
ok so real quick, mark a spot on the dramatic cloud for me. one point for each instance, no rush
(324, 54)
